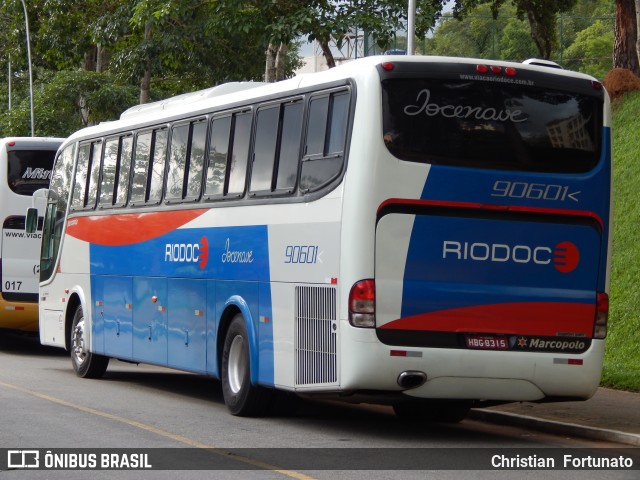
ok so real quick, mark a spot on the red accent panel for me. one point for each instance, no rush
(534, 318)
(129, 228)
(490, 207)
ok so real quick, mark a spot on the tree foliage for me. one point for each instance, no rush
(92, 58)
(540, 14)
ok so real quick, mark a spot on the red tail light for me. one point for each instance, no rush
(362, 304)
(602, 315)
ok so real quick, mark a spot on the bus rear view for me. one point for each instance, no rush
(25, 166)
(492, 270)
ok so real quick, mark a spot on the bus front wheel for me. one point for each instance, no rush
(85, 363)
(240, 397)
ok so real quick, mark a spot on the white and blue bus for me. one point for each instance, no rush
(425, 232)
(25, 166)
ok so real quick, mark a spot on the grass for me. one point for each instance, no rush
(622, 354)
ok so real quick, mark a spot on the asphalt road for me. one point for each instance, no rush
(45, 407)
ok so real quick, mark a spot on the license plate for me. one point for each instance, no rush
(487, 342)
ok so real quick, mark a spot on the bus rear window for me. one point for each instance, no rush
(497, 126)
(29, 170)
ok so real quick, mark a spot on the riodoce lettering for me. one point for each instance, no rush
(461, 111)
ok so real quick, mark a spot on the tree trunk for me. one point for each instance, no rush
(101, 59)
(326, 51)
(281, 61)
(625, 51)
(89, 63)
(145, 82)
(542, 26)
(638, 29)
(270, 66)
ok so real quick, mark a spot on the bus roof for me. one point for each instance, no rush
(199, 102)
(31, 142)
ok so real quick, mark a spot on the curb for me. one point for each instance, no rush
(552, 426)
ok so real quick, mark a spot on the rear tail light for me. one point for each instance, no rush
(602, 315)
(362, 304)
(497, 70)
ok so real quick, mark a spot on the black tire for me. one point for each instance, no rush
(432, 411)
(85, 363)
(240, 397)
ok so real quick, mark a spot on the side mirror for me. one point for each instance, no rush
(31, 222)
(38, 202)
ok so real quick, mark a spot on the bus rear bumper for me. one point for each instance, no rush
(22, 316)
(476, 375)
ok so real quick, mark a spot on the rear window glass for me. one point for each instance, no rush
(29, 170)
(504, 126)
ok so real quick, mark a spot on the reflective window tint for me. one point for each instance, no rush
(109, 165)
(124, 170)
(177, 161)
(239, 154)
(141, 168)
(318, 111)
(29, 170)
(158, 165)
(338, 123)
(94, 175)
(289, 146)
(506, 127)
(264, 148)
(196, 158)
(80, 184)
(218, 152)
(324, 155)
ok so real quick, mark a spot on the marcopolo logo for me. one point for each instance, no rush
(565, 256)
(552, 344)
(188, 252)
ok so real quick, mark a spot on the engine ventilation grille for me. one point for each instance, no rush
(316, 336)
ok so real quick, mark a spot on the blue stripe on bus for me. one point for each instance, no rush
(160, 301)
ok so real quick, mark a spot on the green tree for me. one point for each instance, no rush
(540, 14)
(68, 101)
(592, 50)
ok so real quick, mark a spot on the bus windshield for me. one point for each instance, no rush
(506, 126)
(29, 170)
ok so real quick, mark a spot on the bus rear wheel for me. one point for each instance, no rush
(85, 363)
(240, 397)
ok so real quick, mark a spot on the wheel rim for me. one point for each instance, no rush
(237, 364)
(77, 347)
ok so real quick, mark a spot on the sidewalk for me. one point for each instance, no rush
(610, 415)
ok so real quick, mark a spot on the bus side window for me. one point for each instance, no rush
(325, 140)
(124, 170)
(80, 183)
(264, 153)
(277, 148)
(197, 147)
(178, 154)
(289, 146)
(158, 162)
(218, 155)
(141, 168)
(94, 174)
(239, 154)
(109, 165)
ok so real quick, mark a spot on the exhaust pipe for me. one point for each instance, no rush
(412, 379)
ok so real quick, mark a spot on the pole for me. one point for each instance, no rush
(26, 22)
(411, 27)
(9, 82)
